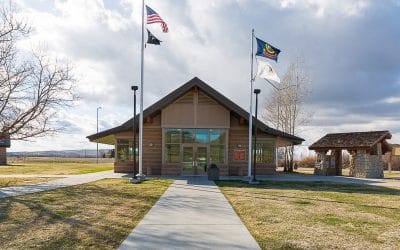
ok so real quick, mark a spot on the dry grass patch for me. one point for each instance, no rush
(56, 166)
(294, 215)
(392, 174)
(11, 181)
(98, 215)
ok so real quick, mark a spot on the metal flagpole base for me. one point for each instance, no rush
(134, 181)
(139, 179)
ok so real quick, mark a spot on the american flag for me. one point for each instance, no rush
(153, 17)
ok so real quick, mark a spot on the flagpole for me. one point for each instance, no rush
(141, 99)
(251, 106)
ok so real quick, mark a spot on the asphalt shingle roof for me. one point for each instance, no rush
(351, 140)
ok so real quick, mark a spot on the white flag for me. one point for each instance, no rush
(266, 71)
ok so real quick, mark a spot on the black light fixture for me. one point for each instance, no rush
(256, 91)
(134, 88)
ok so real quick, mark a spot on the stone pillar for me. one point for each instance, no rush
(368, 166)
(352, 162)
(360, 163)
(319, 162)
(3, 156)
(325, 164)
(379, 149)
(337, 154)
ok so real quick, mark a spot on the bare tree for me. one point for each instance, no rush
(32, 86)
(285, 106)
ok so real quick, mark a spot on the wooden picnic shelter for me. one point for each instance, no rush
(365, 149)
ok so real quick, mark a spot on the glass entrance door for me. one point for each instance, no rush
(187, 160)
(194, 159)
(201, 160)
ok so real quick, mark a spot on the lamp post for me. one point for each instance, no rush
(134, 88)
(97, 143)
(256, 91)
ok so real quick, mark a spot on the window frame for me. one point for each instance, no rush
(265, 144)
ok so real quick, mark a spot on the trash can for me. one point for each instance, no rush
(213, 172)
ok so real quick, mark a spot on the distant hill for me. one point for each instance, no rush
(83, 153)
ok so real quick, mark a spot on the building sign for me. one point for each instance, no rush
(239, 154)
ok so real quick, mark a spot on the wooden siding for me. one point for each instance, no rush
(195, 110)
(152, 149)
(239, 139)
(171, 169)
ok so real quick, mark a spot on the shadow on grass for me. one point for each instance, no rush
(11, 165)
(320, 186)
(89, 211)
(261, 191)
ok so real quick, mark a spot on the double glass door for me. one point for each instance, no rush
(195, 159)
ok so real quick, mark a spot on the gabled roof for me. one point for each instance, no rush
(353, 140)
(171, 97)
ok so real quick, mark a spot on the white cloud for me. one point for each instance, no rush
(323, 8)
(208, 39)
(392, 100)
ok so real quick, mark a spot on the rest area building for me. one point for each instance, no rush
(190, 128)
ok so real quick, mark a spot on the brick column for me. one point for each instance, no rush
(3, 156)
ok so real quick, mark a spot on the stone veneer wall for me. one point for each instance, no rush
(368, 166)
(325, 164)
(3, 156)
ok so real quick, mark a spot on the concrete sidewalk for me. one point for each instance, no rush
(192, 214)
(71, 180)
(386, 182)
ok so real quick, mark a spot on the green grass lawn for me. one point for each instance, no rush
(97, 215)
(294, 215)
(56, 166)
(11, 181)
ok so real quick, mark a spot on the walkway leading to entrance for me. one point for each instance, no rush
(192, 214)
(70, 180)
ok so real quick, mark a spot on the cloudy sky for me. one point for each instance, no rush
(351, 49)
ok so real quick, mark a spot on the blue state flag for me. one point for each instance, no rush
(267, 50)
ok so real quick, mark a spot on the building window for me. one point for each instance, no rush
(217, 153)
(187, 135)
(172, 153)
(217, 147)
(174, 138)
(172, 145)
(124, 150)
(265, 151)
(202, 136)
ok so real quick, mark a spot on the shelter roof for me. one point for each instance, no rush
(352, 140)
